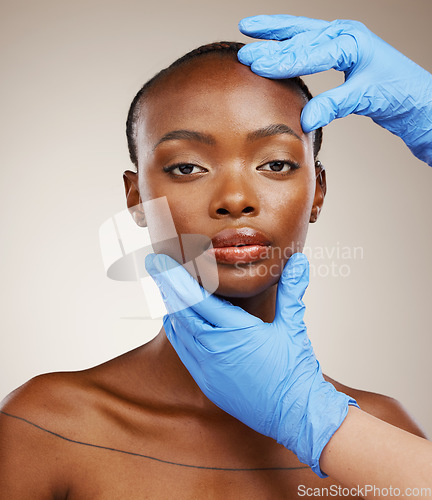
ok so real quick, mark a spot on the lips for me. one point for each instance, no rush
(239, 245)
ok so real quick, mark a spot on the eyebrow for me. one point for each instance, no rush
(279, 128)
(191, 135)
(188, 135)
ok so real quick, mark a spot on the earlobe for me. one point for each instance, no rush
(314, 214)
(133, 198)
(320, 191)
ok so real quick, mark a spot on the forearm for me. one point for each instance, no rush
(369, 451)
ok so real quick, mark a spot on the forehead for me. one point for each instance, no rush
(219, 95)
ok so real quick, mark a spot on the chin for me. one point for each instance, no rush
(246, 282)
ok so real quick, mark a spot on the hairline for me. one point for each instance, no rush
(149, 87)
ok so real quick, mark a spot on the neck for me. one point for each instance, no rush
(177, 380)
(262, 305)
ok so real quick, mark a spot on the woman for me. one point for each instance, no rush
(222, 345)
(227, 149)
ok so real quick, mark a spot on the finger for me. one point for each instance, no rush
(176, 301)
(291, 288)
(201, 337)
(278, 27)
(253, 51)
(181, 290)
(305, 54)
(335, 103)
(224, 332)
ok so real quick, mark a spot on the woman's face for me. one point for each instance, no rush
(244, 163)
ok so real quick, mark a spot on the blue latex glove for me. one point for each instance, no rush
(380, 82)
(264, 374)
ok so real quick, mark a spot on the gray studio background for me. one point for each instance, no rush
(69, 72)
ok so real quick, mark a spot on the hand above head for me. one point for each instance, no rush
(264, 374)
(380, 82)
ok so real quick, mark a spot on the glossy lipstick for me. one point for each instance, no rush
(239, 245)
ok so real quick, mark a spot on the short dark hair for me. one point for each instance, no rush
(221, 48)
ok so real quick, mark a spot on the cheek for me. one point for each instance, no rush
(186, 201)
(174, 219)
(290, 209)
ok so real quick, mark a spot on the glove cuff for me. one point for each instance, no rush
(326, 410)
(343, 401)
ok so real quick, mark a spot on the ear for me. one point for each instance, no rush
(133, 197)
(320, 191)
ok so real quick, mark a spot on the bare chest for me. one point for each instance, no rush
(117, 480)
(192, 461)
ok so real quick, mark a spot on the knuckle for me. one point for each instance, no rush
(350, 25)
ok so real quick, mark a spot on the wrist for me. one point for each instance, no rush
(307, 432)
(326, 422)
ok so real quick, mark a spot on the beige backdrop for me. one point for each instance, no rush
(70, 70)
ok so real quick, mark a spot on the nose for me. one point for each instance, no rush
(234, 196)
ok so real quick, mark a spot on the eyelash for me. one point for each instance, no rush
(170, 168)
(293, 166)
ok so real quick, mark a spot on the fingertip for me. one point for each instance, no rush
(242, 24)
(258, 53)
(149, 263)
(317, 113)
(244, 55)
(297, 267)
(159, 264)
(309, 119)
(160, 261)
(247, 24)
(298, 256)
(306, 124)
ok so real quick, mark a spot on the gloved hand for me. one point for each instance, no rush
(264, 374)
(380, 82)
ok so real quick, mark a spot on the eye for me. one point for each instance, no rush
(282, 166)
(182, 169)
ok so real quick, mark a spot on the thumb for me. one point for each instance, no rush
(279, 26)
(335, 103)
(180, 291)
(291, 288)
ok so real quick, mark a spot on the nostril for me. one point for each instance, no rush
(248, 210)
(222, 211)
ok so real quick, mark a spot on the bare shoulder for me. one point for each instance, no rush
(383, 407)
(53, 401)
(41, 424)
(40, 403)
(53, 425)
(66, 403)
(51, 392)
(32, 463)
